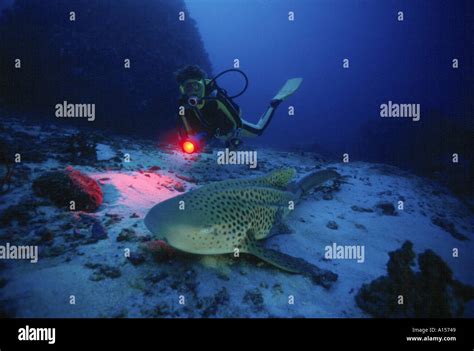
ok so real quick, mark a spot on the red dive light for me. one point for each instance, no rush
(188, 146)
(193, 143)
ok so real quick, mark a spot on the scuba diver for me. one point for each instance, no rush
(207, 112)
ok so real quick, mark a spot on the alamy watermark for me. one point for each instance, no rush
(37, 334)
(345, 252)
(67, 110)
(231, 157)
(391, 109)
(15, 252)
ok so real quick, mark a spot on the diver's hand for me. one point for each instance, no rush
(234, 143)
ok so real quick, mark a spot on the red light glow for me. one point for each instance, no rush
(188, 147)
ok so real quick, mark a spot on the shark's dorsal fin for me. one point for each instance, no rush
(279, 178)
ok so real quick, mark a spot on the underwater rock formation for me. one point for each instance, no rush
(103, 271)
(77, 51)
(448, 227)
(430, 293)
(80, 149)
(98, 232)
(386, 208)
(62, 187)
(20, 213)
(6, 168)
(159, 250)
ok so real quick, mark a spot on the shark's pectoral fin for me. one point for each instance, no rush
(279, 228)
(288, 263)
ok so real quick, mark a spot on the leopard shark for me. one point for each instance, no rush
(234, 215)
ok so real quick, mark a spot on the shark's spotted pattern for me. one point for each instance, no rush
(232, 214)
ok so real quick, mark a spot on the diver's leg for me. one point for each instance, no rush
(288, 89)
(250, 129)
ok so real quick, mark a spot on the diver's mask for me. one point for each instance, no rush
(193, 90)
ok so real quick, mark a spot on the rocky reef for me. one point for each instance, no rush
(62, 187)
(430, 293)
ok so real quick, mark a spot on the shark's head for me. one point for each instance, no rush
(182, 229)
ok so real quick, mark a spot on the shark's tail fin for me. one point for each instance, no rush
(313, 179)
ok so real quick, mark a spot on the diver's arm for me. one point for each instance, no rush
(186, 125)
(183, 126)
(180, 127)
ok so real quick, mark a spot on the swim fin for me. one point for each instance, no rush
(289, 88)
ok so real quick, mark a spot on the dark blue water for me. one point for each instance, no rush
(405, 62)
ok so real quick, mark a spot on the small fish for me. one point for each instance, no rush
(235, 214)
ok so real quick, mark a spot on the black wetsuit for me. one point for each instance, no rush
(218, 115)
